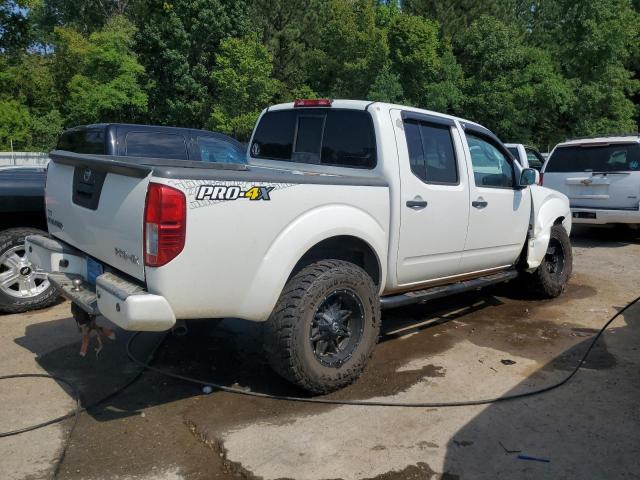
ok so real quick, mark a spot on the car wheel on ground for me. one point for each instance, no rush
(324, 327)
(551, 277)
(22, 286)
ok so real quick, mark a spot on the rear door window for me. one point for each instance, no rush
(156, 145)
(216, 150)
(431, 154)
(323, 136)
(595, 158)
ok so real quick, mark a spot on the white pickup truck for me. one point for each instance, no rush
(345, 208)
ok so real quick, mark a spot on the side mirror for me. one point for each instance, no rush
(529, 176)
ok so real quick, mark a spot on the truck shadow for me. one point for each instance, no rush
(585, 429)
(229, 353)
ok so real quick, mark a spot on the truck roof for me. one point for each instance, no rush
(630, 138)
(138, 126)
(366, 104)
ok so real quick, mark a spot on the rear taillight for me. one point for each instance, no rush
(165, 222)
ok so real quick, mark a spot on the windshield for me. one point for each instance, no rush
(597, 158)
(514, 152)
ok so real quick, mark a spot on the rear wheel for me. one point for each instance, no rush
(22, 286)
(324, 328)
(551, 277)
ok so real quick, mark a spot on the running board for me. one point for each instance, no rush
(419, 296)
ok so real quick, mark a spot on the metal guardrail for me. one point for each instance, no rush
(23, 159)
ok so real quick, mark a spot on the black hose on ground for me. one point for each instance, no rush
(75, 413)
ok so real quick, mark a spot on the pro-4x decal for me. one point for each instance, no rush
(233, 192)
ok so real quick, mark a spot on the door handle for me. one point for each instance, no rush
(417, 203)
(480, 203)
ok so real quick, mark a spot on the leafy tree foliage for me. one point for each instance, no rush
(535, 71)
(430, 75)
(455, 16)
(386, 87)
(243, 83)
(177, 42)
(289, 29)
(14, 123)
(512, 86)
(352, 50)
(594, 42)
(107, 86)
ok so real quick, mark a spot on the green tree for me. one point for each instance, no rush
(14, 124)
(386, 87)
(455, 16)
(352, 52)
(14, 28)
(429, 73)
(595, 43)
(289, 29)
(45, 130)
(108, 86)
(243, 85)
(29, 82)
(510, 87)
(29, 78)
(177, 42)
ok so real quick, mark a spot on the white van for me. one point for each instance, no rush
(601, 177)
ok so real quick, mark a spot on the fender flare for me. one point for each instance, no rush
(547, 207)
(297, 238)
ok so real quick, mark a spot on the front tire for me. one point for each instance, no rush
(324, 327)
(551, 277)
(22, 286)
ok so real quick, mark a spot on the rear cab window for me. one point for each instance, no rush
(156, 145)
(319, 136)
(84, 140)
(618, 157)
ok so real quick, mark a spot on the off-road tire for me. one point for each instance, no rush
(546, 284)
(9, 304)
(287, 332)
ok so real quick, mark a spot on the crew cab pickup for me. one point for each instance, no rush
(344, 208)
(601, 177)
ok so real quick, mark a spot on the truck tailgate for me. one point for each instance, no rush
(98, 207)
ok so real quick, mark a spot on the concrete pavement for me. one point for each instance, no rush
(449, 350)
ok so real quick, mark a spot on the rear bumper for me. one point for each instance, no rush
(124, 302)
(601, 216)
